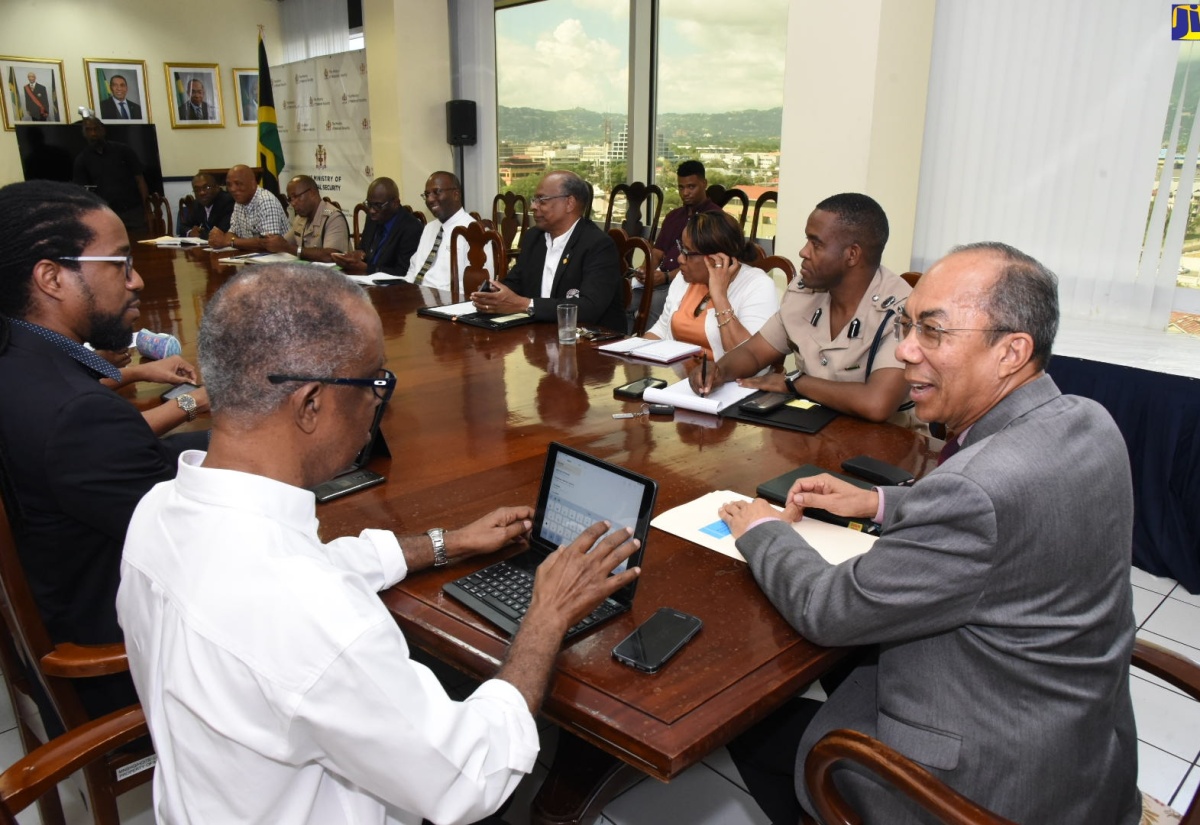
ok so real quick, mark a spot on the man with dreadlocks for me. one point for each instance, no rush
(75, 457)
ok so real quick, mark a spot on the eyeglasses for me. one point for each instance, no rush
(684, 252)
(298, 195)
(207, 187)
(125, 259)
(383, 384)
(376, 206)
(437, 193)
(538, 200)
(930, 335)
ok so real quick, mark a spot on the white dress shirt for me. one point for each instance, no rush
(554, 250)
(438, 274)
(277, 686)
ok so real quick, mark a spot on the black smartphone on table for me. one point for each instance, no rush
(178, 390)
(347, 484)
(763, 404)
(634, 390)
(657, 639)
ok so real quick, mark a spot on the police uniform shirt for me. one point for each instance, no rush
(802, 326)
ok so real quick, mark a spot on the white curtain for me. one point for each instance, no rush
(314, 28)
(1043, 128)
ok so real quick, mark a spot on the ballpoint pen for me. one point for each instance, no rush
(704, 371)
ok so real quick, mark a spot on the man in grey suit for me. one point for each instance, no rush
(997, 598)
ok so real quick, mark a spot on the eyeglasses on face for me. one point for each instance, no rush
(376, 206)
(684, 252)
(383, 384)
(437, 193)
(298, 195)
(930, 335)
(125, 259)
(204, 187)
(538, 200)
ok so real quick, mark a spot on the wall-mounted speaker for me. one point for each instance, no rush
(460, 123)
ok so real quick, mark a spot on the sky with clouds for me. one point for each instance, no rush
(715, 55)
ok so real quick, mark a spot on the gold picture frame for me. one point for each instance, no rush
(245, 96)
(189, 110)
(40, 102)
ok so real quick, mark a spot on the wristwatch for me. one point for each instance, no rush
(440, 559)
(790, 381)
(529, 309)
(188, 405)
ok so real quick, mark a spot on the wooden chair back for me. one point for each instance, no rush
(721, 196)
(911, 278)
(34, 776)
(161, 222)
(357, 224)
(478, 238)
(635, 252)
(510, 216)
(55, 667)
(332, 202)
(418, 214)
(784, 265)
(756, 221)
(641, 200)
(185, 203)
(929, 791)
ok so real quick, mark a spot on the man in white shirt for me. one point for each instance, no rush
(430, 264)
(277, 685)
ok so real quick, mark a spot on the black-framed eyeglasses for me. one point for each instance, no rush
(376, 206)
(538, 200)
(684, 252)
(125, 259)
(383, 384)
(204, 187)
(437, 193)
(930, 335)
(298, 195)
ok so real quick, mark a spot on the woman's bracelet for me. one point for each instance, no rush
(726, 321)
(724, 312)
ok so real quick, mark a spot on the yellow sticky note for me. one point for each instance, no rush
(803, 404)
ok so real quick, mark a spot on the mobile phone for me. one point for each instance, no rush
(657, 639)
(178, 390)
(763, 404)
(347, 484)
(878, 472)
(634, 389)
(488, 286)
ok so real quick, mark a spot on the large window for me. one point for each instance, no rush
(563, 89)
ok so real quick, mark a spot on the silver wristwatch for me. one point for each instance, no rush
(188, 405)
(440, 559)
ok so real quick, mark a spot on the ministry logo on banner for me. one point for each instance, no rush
(1185, 21)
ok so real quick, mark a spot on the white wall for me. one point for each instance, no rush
(224, 32)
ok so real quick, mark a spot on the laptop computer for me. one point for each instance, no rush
(577, 491)
(357, 476)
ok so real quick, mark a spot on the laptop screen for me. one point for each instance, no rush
(579, 490)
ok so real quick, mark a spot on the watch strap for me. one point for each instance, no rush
(437, 537)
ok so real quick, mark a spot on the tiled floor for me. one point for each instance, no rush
(712, 792)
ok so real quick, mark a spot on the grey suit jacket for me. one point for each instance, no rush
(1000, 599)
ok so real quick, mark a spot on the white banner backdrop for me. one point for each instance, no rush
(324, 118)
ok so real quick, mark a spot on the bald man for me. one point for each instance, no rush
(256, 214)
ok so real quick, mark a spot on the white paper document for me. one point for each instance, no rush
(680, 394)
(171, 240)
(453, 310)
(652, 349)
(698, 522)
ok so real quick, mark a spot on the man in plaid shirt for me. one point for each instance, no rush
(256, 214)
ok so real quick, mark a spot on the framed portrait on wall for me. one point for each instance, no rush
(245, 92)
(194, 92)
(117, 90)
(33, 92)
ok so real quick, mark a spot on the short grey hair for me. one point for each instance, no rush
(285, 319)
(1023, 298)
(577, 188)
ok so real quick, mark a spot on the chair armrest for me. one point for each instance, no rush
(33, 775)
(1168, 665)
(896, 769)
(72, 661)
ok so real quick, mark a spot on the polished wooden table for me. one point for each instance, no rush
(468, 428)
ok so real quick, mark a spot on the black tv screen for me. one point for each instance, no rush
(48, 152)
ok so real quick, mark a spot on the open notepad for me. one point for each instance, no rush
(171, 240)
(680, 394)
(698, 522)
(651, 349)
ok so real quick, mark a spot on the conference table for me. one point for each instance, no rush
(467, 429)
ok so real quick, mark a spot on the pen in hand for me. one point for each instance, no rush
(704, 373)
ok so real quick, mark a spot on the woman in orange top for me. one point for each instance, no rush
(718, 300)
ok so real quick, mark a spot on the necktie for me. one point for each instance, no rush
(952, 447)
(124, 111)
(437, 242)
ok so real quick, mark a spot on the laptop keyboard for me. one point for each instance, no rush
(509, 589)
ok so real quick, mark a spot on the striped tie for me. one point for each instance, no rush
(437, 242)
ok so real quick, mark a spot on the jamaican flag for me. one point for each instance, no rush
(270, 150)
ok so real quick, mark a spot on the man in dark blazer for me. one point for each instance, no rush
(195, 107)
(76, 456)
(565, 259)
(997, 598)
(37, 101)
(390, 237)
(111, 107)
(213, 206)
